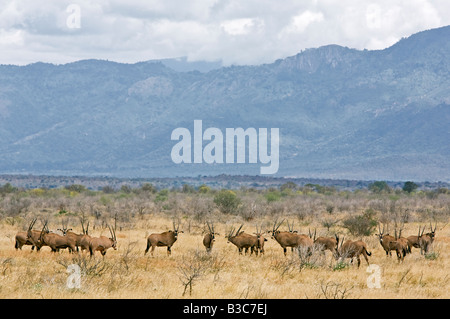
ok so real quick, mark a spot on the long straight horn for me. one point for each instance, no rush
(230, 234)
(32, 224)
(279, 224)
(45, 223)
(113, 235)
(43, 229)
(423, 229)
(431, 227)
(82, 225)
(237, 232)
(274, 225)
(342, 241)
(209, 227)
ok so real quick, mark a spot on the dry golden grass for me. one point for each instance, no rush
(127, 273)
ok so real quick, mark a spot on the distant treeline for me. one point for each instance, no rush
(214, 182)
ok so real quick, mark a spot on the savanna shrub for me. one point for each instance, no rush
(361, 225)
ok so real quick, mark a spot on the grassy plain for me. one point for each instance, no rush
(192, 273)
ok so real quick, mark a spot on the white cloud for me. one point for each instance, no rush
(241, 26)
(302, 21)
(235, 31)
(11, 37)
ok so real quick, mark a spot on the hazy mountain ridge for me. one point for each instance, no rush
(342, 113)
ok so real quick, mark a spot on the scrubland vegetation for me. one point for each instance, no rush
(191, 272)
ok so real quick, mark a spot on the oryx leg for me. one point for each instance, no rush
(366, 258)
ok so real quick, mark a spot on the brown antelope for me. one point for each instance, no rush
(427, 240)
(54, 241)
(387, 241)
(414, 240)
(326, 243)
(64, 228)
(285, 239)
(402, 246)
(82, 240)
(352, 249)
(67, 232)
(261, 240)
(291, 230)
(209, 238)
(167, 238)
(242, 241)
(305, 245)
(103, 243)
(22, 239)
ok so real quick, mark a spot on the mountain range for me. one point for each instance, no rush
(341, 112)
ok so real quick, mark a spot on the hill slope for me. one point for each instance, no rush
(342, 113)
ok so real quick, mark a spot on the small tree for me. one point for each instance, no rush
(76, 188)
(272, 196)
(203, 189)
(227, 201)
(362, 225)
(410, 187)
(379, 187)
(148, 187)
(125, 189)
(8, 188)
(289, 185)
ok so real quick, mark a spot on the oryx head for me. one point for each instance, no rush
(275, 227)
(113, 237)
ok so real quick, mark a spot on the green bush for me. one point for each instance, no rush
(272, 196)
(410, 187)
(204, 189)
(379, 187)
(227, 201)
(362, 225)
(432, 256)
(162, 196)
(148, 187)
(340, 266)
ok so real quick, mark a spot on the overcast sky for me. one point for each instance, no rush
(233, 31)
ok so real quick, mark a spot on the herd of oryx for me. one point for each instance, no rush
(65, 239)
(306, 244)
